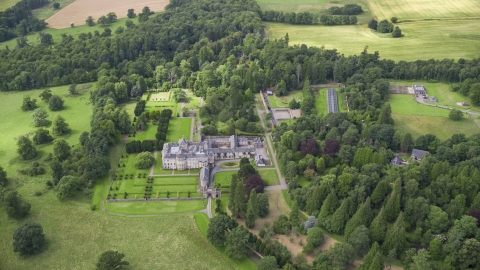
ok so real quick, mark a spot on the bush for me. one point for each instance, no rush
(144, 160)
(455, 115)
(38, 193)
(394, 19)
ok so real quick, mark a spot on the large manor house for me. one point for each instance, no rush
(186, 155)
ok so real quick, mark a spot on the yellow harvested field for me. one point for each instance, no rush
(78, 11)
(425, 9)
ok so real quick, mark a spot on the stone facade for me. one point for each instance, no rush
(186, 155)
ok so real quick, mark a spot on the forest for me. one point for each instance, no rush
(425, 212)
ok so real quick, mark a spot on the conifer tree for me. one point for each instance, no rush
(476, 202)
(379, 193)
(316, 198)
(378, 228)
(377, 263)
(361, 217)
(294, 215)
(233, 186)
(395, 238)
(392, 207)
(250, 217)
(435, 249)
(240, 207)
(253, 202)
(370, 257)
(385, 116)
(340, 217)
(329, 205)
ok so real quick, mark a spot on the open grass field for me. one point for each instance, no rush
(270, 177)
(148, 134)
(442, 127)
(75, 31)
(406, 105)
(321, 101)
(78, 11)
(451, 39)
(425, 9)
(4, 4)
(48, 10)
(154, 207)
(16, 122)
(177, 128)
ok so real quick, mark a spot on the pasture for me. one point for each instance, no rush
(442, 127)
(424, 9)
(451, 39)
(4, 4)
(154, 207)
(78, 11)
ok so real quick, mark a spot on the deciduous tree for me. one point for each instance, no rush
(26, 149)
(29, 104)
(61, 149)
(111, 260)
(67, 187)
(144, 160)
(217, 229)
(59, 126)
(236, 243)
(28, 239)
(39, 117)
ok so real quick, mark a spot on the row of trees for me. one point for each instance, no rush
(308, 18)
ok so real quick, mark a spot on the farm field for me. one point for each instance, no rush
(442, 127)
(421, 9)
(78, 11)
(459, 39)
(77, 114)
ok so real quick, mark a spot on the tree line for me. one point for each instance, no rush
(308, 18)
(19, 21)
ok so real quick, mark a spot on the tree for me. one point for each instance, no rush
(89, 21)
(468, 257)
(360, 241)
(15, 207)
(144, 160)
(72, 89)
(342, 255)
(250, 218)
(103, 20)
(263, 205)
(61, 149)
(331, 147)
(39, 117)
(315, 237)
(253, 182)
(28, 239)
(455, 115)
(3, 177)
(129, 24)
(217, 228)
(380, 192)
(320, 165)
(26, 149)
(111, 17)
(395, 237)
(67, 187)
(361, 217)
(330, 204)
(435, 249)
(46, 95)
(268, 263)
(42, 136)
(341, 216)
(370, 258)
(245, 171)
(233, 187)
(56, 5)
(178, 95)
(421, 260)
(253, 202)
(394, 19)
(385, 116)
(139, 108)
(295, 215)
(378, 228)
(29, 104)
(437, 220)
(111, 260)
(397, 32)
(373, 24)
(59, 126)
(240, 207)
(236, 243)
(55, 103)
(45, 39)
(146, 10)
(392, 207)
(407, 143)
(131, 13)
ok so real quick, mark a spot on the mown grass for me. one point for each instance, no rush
(442, 127)
(148, 134)
(177, 128)
(75, 31)
(270, 177)
(406, 105)
(224, 178)
(422, 40)
(420, 9)
(321, 101)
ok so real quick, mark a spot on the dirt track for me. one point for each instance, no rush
(78, 11)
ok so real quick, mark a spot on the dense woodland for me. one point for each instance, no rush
(19, 21)
(424, 212)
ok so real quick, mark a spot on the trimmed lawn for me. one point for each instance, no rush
(321, 101)
(148, 134)
(406, 105)
(224, 178)
(453, 39)
(442, 127)
(303, 181)
(342, 105)
(130, 166)
(270, 177)
(158, 166)
(154, 207)
(177, 128)
(160, 96)
(229, 165)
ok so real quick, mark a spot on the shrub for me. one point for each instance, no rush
(38, 193)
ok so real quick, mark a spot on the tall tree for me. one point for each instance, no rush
(392, 207)
(28, 239)
(370, 257)
(233, 187)
(26, 149)
(378, 228)
(16, 208)
(295, 215)
(39, 117)
(3, 177)
(342, 255)
(217, 229)
(360, 240)
(361, 217)
(268, 263)
(59, 126)
(55, 103)
(29, 104)
(395, 238)
(236, 243)
(240, 207)
(329, 205)
(385, 116)
(61, 149)
(341, 216)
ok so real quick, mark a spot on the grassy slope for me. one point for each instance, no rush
(75, 31)
(421, 9)
(453, 39)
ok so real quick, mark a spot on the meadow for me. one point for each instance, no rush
(4, 4)
(432, 39)
(421, 9)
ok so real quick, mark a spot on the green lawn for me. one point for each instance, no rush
(160, 96)
(194, 102)
(321, 101)
(148, 134)
(421, 9)
(75, 31)
(453, 39)
(154, 207)
(442, 127)
(270, 177)
(177, 128)
(130, 165)
(15, 122)
(224, 178)
(4, 4)
(406, 105)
